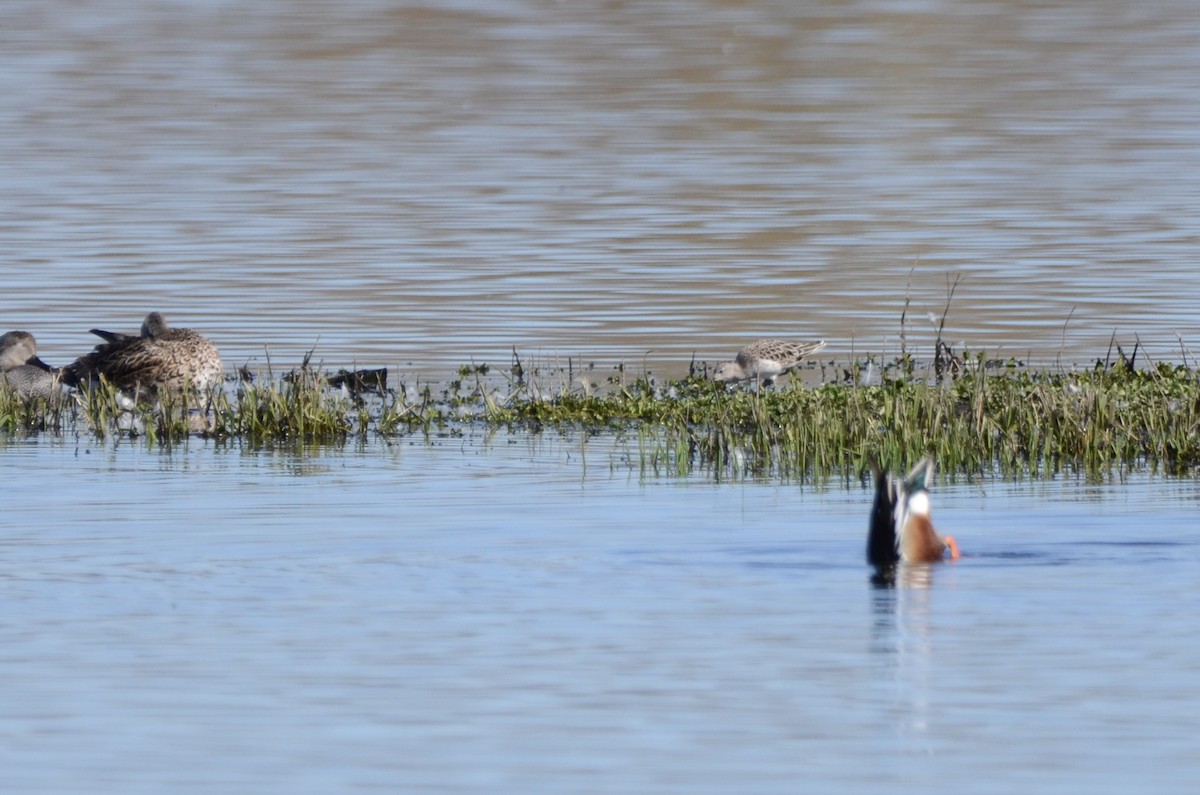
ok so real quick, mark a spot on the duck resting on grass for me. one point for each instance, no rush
(765, 360)
(161, 358)
(22, 371)
(901, 529)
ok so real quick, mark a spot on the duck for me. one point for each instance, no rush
(22, 371)
(901, 529)
(160, 358)
(765, 360)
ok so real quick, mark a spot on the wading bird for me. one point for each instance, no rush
(765, 360)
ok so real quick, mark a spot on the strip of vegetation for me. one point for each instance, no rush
(982, 420)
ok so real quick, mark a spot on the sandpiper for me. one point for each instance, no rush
(765, 360)
(22, 371)
(901, 529)
(160, 358)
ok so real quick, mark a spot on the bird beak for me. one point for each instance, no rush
(36, 362)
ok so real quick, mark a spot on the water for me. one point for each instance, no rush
(423, 186)
(532, 614)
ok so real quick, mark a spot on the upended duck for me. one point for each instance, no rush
(159, 359)
(901, 529)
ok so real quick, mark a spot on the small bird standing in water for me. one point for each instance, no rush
(22, 371)
(161, 358)
(765, 360)
(901, 529)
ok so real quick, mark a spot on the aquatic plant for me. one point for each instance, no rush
(33, 415)
(976, 417)
(298, 408)
(995, 419)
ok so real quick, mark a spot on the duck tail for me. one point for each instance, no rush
(882, 551)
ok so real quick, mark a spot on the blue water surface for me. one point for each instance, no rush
(538, 614)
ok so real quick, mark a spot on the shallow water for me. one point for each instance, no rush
(424, 186)
(534, 614)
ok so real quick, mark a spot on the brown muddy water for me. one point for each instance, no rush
(421, 186)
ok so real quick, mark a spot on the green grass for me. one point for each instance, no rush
(985, 420)
(36, 416)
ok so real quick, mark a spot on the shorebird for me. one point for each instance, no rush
(901, 530)
(159, 359)
(765, 360)
(22, 371)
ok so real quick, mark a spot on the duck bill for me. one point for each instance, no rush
(37, 362)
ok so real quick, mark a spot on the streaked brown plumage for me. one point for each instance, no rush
(765, 360)
(161, 358)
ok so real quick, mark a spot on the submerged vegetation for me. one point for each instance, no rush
(976, 417)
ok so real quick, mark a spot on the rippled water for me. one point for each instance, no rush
(426, 185)
(532, 614)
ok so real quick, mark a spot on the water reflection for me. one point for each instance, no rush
(903, 642)
(904, 575)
